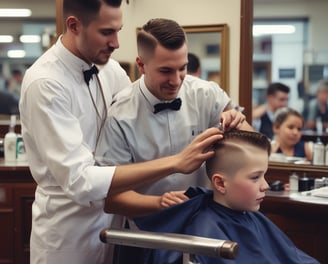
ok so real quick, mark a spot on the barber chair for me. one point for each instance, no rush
(187, 244)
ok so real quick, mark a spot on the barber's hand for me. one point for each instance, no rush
(169, 199)
(199, 150)
(232, 119)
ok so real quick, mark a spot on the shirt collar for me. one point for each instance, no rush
(148, 95)
(75, 65)
(270, 114)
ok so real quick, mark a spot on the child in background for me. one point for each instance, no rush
(287, 128)
(230, 211)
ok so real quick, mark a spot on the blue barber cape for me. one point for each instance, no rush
(259, 240)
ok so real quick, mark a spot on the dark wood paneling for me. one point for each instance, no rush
(17, 189)
(304, 223)
(246, 58)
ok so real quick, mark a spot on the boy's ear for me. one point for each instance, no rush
(219, 182)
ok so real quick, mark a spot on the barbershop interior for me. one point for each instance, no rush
(245, 48)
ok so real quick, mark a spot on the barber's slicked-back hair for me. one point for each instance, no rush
(234, 141)
(165, 32)
(86, 10)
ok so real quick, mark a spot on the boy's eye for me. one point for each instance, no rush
(255, 177)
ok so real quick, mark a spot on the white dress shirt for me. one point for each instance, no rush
(59, 128)
(133, 133)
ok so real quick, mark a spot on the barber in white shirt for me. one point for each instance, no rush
(62, 113)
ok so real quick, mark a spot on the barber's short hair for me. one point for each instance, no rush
(273, 88)
(86, 10)
(164, 32)
(233, 142)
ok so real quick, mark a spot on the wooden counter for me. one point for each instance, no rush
(17, 189)
(305, 223)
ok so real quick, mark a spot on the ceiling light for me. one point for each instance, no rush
(6, 38)
(15, 12)
(259, 30)
(30, 38)
(16, 53)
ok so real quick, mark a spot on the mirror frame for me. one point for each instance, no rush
(246, 58)
(222, 29)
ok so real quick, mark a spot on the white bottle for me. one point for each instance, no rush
(20, 149)
(319, 125)
(326, 155)
(318, 153)
(293, 182)
(10, 141)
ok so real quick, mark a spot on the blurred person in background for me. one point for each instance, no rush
(287, 128)
(318, 108)
(262, 116)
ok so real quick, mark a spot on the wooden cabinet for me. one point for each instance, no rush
(16, 197)
(304, 223)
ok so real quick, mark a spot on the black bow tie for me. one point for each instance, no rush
(88, 73)
(174, 105)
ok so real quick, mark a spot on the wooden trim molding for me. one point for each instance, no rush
(246, 58)
(59, 17)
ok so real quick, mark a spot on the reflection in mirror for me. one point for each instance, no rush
(22, 41)
(209, 43)
(311, 61)
(29, 41)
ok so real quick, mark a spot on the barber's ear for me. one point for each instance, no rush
(140, 65)
(73, 24)
(219, 182)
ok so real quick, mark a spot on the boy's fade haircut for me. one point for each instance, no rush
(86, 10)
(235, 142)
(165, 32)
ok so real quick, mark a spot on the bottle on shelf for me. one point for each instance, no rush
(318, 153)
(293, 182)
(20, 149)
(319, 125)
(10, 141)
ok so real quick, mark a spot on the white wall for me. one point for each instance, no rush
(185, 12)
(315, 10)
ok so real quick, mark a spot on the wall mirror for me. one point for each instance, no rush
(22, 41)
(210, 44)
(311, 55)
